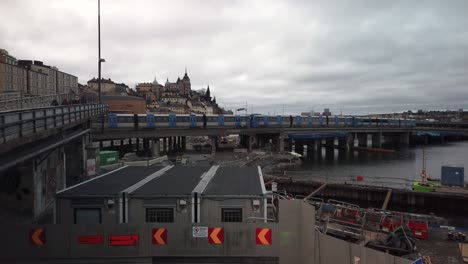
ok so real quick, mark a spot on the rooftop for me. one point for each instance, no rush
(180, 180)
(111, 183)
(122, 97)
(235, 181)
(172, 181)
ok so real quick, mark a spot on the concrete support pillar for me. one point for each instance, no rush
(311, 147)
(184, 143)
(145, 144)
(299, 146)
(330, 148)
(84, 153)
(170, 146)
(130, 142)
(37, 187)
(213, 145)
(156, 146)
(343, 143)
(319, 146)
(121, 142)
(281, 142)
(250, 142)
(174, 144)
(351, 140)
(112, 143)
(362, 139)
(404, 139)
(165, 146)
(137, 144)
(377, 140)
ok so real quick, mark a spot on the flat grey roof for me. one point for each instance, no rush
(235, 181)
(180, 180)
(112, 183)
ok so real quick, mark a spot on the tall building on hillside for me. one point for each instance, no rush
(107, 85)
(150, 91)
(178, 97)
(32, 78)
(13, 79)
(183, 86)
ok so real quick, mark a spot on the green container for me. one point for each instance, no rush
(108, 157)
(429, 186)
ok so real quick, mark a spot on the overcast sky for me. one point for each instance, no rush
(351, 56)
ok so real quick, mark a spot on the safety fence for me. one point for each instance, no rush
(21, 123)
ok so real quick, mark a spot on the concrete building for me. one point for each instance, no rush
(150, 91)
(107, 85)
(181, 195)
(174, 99)
(177, 108)
(32, 78)
(13, 79)
(198, 107)
(48, 80)
(125, 104)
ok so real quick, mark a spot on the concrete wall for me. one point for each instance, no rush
(65, 209)
(330, 250)
(211, 208)
(294, 240)
(26, 190)
(137, 209)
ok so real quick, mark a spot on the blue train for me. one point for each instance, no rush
(145, 121)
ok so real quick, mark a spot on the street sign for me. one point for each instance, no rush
(92, 239)
(216, 235)
(159, 236)
(200, 231)
(127, 240)
(263, 236)
(38, 237)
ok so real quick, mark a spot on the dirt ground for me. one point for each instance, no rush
(439, 248)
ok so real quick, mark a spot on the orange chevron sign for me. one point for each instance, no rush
(159, 236)
(38, 237)
(215, 235)
(263, 236)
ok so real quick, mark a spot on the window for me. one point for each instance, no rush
(159, 215)
(87, 215)
(231, 215)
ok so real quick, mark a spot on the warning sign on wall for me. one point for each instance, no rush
(91, 167)
(200, 231)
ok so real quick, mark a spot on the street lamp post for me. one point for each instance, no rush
(100, 60)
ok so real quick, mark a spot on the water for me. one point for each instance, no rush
(396, 170)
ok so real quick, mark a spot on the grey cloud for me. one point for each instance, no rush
(355, 56)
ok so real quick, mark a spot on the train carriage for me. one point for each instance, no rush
(155, 121)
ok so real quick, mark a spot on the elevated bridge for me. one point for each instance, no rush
(42, 149)
(173, 138)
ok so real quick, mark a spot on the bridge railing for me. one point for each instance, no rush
(21, 123)
(30, 102)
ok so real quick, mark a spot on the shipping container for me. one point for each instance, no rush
(108, 157)
(452, 176)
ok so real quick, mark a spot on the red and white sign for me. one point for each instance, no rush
(91, 239)
(263, 236)
(216, 235)
(38, 237)
(159, 236)
(127, 240)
